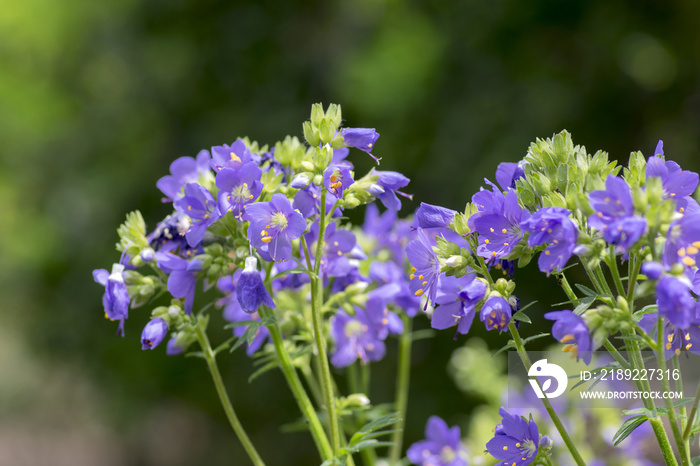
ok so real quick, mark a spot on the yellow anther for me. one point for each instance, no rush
(673, 194)
(267, 239)
(546, 253)
(549, 230)
(567, 338)
(505, 244)
(505, 448)
(251, 196)
(369, 145)
(385, 321)
(607, 199)
(413, 269)
(412, 276)
(420, 277)
(335, 243)
(687, 337)
(486, 241)
(425, 283)
(419, 292)
(687, 347)
(267, 226)
(670, 337)
(689, 261)
(668, 346)
(691, 250)
(696, 244)
(492, 230)
(517, 444)
(206, 215)
(504, 231)
(681, 252)
(234, 157)
(263, 233)
(678, 351)
(245, 185)
(599, 214)
(493, 314)
(189, 207)
(493, 254)
(340, 253)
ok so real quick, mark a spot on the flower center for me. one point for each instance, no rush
(279, 220)
(353, 328)
(241, 192)
(528, 447)
(447, 455)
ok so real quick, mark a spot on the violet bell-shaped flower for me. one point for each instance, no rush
(515, 440)
(154, 333)
(182, 171)
(424, 273)
(678, 184)
(552, 225)
(354, 339)
(116, 297)
(442, 446)
(250, 289)
(273, 226)
(390, 183)
(433, 216)
(199, 205)
(496, 313)
(572, 330)
(238, 188)
(457, 299)
(361, 138)
(234, 156)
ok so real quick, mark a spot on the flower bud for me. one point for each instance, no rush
(652, 270)
(545, 443)
(153, 333)
(302, 180)
(455, 261)
(307, 166)
(357, 400)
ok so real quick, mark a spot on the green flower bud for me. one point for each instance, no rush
(307, 166)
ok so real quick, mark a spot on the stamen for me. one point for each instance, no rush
(687, 337)
(419, 292)
(504, 231)
(422, 284)
(689, 261)
(567, 338)
(267, 239)
(687, 347)
(412, 276)
(420, 277)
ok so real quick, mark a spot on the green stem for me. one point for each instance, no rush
(567, 288)
(302, 399)
(369, 455)
(666, 386)
(316, 303)
(402, 383)
(632, 273)
(643, 385)
(616, 354)
(682, 409)
(210, 357)
(611, 261)
(520, 346)
(691, 417)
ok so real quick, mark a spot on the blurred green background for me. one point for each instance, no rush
(97, 98)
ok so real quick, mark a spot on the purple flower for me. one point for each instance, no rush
(677, 184)
(173, 349)
(238, 188)
(250, 289)
(169, 235)
(116, 297)
(234, 156)
(432, 216)
(289, 280)
(499, 230)
(515, 440)
(154, 332)
(390, 183)
(442, 446)
(508, 173)
(273, 226)
(336, 179)
(388, 232)
(337, 243)
(361, 138)
(676, 339)
(683, 242)
(552, 225)
(496, 313)
(571, 330)
(182, 276)
(614, 215)
(199, 205)
(457, 301)
(675, 301)
(424, 273)
(652, 270)
(383, 321)
(182, 171)
(354, 339)
(308, 202)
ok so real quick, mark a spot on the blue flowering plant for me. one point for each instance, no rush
(300, 288)
(633, 231)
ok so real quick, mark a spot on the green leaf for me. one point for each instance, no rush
(522, 317)
(364, 444)
(585, 290)
(535, 337)
(422, 334)
(507, 346)
(627, 428)
(377, 424)
(267, 367)
(584, 305)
